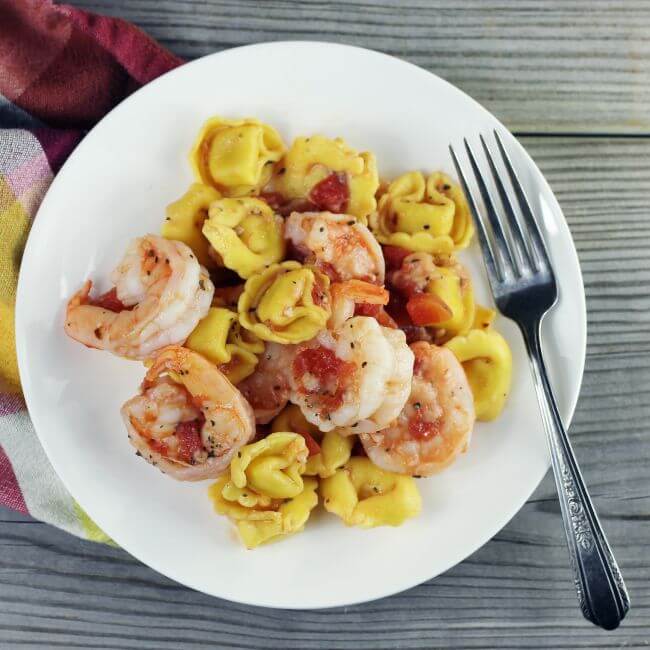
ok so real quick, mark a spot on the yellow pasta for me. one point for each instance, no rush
(311, 160)
(453, 286)
(235, 156)
(430, 216)
(267, 523)
(487, 361)
(246, 234)
(335, 450)
(286, 303)
(363, 495)
(220, 339)
(184, 220)
(272, 466)
(483, 317)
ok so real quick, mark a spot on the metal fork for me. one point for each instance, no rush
(524, 288)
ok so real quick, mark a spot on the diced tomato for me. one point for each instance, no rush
(312, 446)
(274, 199)
(427, 309)
(328, 368)
(394, 256)
(422, 430)
(329, 270)
(189, 439)
(108, 300)
(332, 193)
(157, 446)
(376, 311)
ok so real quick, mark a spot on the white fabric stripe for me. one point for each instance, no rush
(45, 496)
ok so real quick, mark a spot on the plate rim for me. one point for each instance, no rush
(38, 222)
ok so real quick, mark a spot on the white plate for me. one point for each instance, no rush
(116, 185)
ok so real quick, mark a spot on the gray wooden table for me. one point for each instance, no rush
(572, 79)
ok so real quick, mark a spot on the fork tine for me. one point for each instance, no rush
(501, 242)
(538, 245)
(493, 272)
(517, 241)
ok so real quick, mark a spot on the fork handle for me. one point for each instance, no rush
(601, 591)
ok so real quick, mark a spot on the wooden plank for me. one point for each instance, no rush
(515, 592)
(553, 66)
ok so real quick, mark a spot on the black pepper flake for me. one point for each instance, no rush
(212, 422)
(150, 253)
(356, 424)
(364, 364)
(168, 218)
(427, 226)
(417, 405)
(137, 453)
(446, 186)
(167, 261)
(281, 171)
(352, 345)
(239, 454)
(244, 494)
(351, 223)
(155, 259)
(98, 332)
(202, 285)
(321, 229)
(148, 272)
(191, 256)
(375, 489)
(416, 476)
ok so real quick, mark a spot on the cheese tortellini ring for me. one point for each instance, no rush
(455, 290)
(430, 216)
(220, 339)
(286, 303)
(364, 495)
(335, 450)
(483, 317)
(235, 156)
(311, 160)
(487, 361)
(184, 220)
(272, 467)
(246, 234)
(265, 521)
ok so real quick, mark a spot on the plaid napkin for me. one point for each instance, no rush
(61, 70)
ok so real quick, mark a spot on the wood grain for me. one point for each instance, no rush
(550, 66)
(515, 592)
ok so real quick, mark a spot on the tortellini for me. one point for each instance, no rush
(235, 156)
(430, 216)
(364, 495)
(220, 339)
(483, 317)
(185, 217)
(331, 174)
(454, 287)
(246, 234)
(487, 361)
(257, 526)
(286, 303)
(265, 494)
(335, 450)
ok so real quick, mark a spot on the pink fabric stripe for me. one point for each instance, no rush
(57, 144)
(10, 494)
(10, 403)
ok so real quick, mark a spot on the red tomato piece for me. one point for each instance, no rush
(376, 311)
(274, 199)
(394, 256)
(312, 446)
(189, 439)
(427, 309)
(108, 300)
(422, 430)
(332, 193)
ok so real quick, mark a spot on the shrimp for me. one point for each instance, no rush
(337, 244)
(356, 377)
(267, 389)
(347, 295)
(161, 293)
(188, 419)
(436, 423)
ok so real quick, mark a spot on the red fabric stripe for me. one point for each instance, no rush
(69, 68)
(10, 494)
(57, 144)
